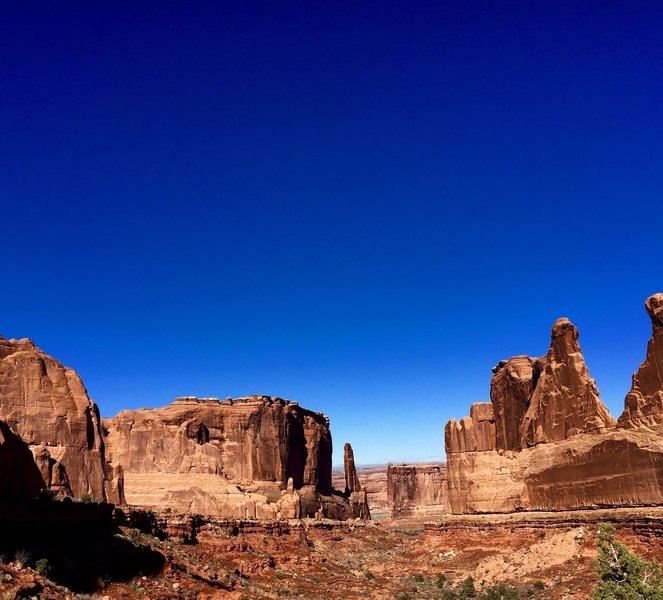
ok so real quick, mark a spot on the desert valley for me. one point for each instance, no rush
(237, 498)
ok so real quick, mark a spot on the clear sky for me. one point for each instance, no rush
(361, 206)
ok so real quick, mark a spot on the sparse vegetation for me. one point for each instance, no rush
(22, 557)
(47, 494)
(624, 574)
(86, 498)
(42, 567)
(135, 537)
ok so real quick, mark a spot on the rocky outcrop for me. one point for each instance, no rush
(417, 490)
(353, 492)
(475, 433)
(565, 400)
(644, 402)
(253, 457)
(47, 406)
(556, 446)
(373, 481)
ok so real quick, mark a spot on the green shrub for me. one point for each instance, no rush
(42, 567)
(87, 498)
(539, 585)
(466, 589)
(500, 592)
(135, 537)
(623, 573)
(22, 557)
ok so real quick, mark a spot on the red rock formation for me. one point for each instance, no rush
(644, 402)
(419, 489)
(511, 390)
(565, 400)
(557, 447)
(373, 481)
(47, 406)
(229, 458)
(356, 496)
(475, 433)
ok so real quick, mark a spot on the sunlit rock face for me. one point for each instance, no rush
(46, 405)
(417, 490)
(556, 446)
(230, 458)
(644, 402)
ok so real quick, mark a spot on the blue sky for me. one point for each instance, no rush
(358, 206)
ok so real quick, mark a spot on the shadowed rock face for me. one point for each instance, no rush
(19, 474)
(47, 406)
(556, 446)
(643, 406)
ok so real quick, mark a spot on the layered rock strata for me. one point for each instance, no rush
(253, 457)
(46, 405)
(556, 446)
(417, 490)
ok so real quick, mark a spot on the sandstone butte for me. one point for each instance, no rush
(254, 457)
(545, 441)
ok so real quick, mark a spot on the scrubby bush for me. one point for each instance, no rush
(624, 574)
(87, 498)
(42, 567)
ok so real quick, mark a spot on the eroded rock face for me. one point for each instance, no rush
(419, 489)
(227, 458)
(643, 406)
(511, 390)
(47, 406)
(565, 400)
(556, 446)
(475, 433)
(257, 438)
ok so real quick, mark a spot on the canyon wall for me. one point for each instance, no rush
(253, 457)
(417, 490)
(555, 446)
(47, 407)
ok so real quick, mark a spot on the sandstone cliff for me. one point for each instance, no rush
(417, 490)
(255, 457)
(47, 406)
(556, 447)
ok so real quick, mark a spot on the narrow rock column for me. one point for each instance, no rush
(351, 480)
(357, 497)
